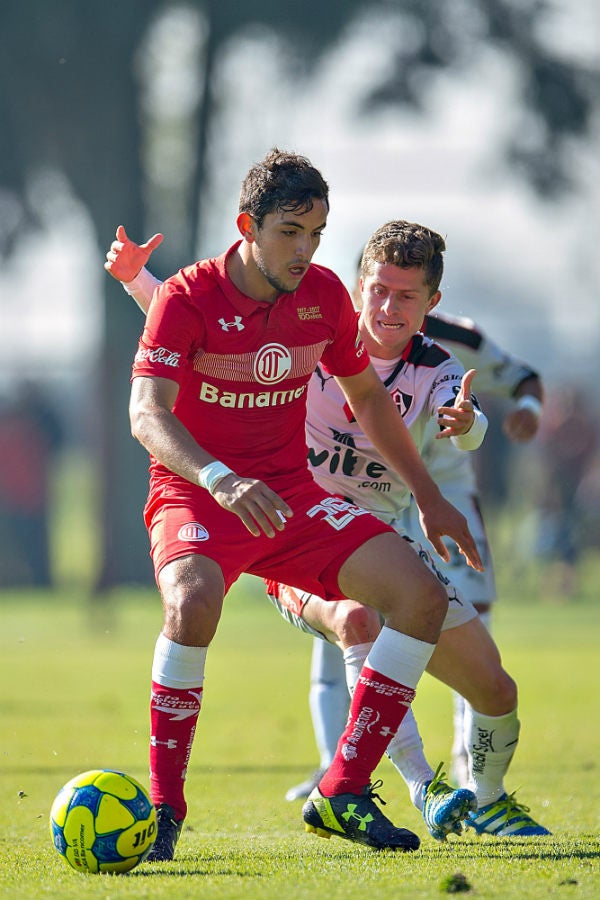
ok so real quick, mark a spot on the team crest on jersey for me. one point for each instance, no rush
(272, 364)
(237, 324)
(193, 531)
(402, 400)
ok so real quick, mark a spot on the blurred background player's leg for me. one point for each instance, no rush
(328, 701)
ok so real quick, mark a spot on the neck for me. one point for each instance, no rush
(376, 351)
(244, 273)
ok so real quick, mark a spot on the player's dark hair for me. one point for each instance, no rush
(407, 245)
(282, 181)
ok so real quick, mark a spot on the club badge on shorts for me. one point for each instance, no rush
(192, 531)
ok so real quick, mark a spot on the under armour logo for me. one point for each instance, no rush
(170, 744)
(237, 323)
(352, 814)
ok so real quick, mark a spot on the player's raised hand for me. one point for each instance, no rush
(125, 258)
(458, 419)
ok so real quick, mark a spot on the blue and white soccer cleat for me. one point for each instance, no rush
(445, 808)
(505, 817)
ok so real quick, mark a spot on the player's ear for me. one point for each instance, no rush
(245, 224)
(433, 301)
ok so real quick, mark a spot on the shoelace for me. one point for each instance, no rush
(513, 806)
(163, 816)
(371, 790)
(438, 777)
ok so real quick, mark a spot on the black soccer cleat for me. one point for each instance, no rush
(356, 818)
(168, 830)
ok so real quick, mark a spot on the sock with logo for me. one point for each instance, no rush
(461, 720)
(384, 691)
(492, 743)
(177, 684)
(405, 750)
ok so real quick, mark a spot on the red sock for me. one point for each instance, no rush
(173, 717)
(378, 706)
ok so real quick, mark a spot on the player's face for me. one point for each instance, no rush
(284, 246)
(394, 303)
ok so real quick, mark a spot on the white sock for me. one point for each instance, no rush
(492, 743)
(354, 660)
(399, 657)
(178, 666)
(458, 721)
(328, 698)
(461, 710)
(405, 750)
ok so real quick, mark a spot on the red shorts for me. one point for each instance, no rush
(323, 532)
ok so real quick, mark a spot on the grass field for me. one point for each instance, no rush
(74, 697)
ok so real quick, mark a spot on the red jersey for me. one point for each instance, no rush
(243, 366)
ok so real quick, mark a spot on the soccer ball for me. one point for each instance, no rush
(103, 821)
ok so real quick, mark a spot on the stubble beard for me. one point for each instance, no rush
(272, 280)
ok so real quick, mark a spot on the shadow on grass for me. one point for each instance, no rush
(585, 848)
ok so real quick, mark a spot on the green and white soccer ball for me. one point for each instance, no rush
(103, 821)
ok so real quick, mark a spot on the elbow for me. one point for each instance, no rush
(137, 420)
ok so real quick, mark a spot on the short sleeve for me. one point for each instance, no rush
(172, 335)
(346, 355)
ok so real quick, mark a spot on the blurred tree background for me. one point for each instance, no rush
(147, 113)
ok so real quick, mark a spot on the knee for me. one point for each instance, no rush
(191, 606)
(433, 601)
(501, 695)
(183, 600)
(356, 624)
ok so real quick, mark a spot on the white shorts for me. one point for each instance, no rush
(290, 601)
(477, 587)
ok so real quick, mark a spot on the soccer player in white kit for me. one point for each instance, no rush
(498, 374)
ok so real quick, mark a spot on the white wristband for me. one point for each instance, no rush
(144, 283)
(212, 474)
(528, 401)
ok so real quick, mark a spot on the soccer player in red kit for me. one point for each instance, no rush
(218, 399)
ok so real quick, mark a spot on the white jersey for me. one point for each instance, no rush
(343, 459)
